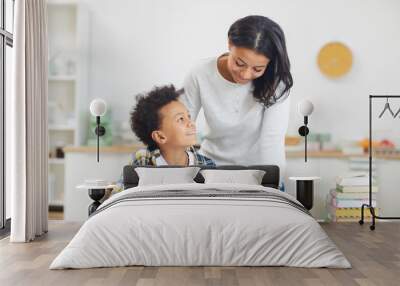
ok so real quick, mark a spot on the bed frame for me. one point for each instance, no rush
(270, 179)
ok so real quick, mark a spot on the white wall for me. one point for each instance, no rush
(138, 44)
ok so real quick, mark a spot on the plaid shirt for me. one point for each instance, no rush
(144, 157)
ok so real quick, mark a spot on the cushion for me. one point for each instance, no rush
(248, 177)
(162, 176)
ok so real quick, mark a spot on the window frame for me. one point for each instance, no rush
(6, 39)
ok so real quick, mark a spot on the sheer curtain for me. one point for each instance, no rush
(28, 144)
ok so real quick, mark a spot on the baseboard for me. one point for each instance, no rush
(55, 208)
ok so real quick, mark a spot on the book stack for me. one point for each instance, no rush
(351, 192)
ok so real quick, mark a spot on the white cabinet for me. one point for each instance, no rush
(80, 166)
(387, 174)
(389, 187)
(326, 168)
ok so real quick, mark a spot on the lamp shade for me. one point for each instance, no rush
(305, 107)
(98, 107)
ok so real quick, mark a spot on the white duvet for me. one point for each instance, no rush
(183, 231)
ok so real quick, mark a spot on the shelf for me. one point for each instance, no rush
(62, 78)
(60, 127)
(57, 161)
(105, 149)
(62, 2)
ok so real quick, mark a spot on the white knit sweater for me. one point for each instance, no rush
(239, 130)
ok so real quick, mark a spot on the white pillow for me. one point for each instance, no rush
(248, 177)
(163, 176)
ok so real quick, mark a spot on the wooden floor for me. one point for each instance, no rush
(53, 215)
(375, 256)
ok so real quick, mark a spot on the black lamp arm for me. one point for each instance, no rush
(100, 131)
(303, 131)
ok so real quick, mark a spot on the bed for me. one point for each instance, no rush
(201, 224)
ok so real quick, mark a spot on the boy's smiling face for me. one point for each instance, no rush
(176, 127)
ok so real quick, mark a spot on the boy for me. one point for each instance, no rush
(163, 123)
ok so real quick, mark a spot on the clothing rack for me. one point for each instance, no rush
(369, 205)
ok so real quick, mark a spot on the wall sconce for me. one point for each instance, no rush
(98, 107)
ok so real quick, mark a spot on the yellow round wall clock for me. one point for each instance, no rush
(335, 59)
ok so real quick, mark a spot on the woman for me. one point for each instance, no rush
(244, 95)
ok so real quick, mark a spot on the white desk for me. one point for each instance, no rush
(81, 165)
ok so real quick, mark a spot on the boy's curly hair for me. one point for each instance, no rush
(145, 117)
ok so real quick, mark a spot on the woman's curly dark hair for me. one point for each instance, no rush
(145, 116)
